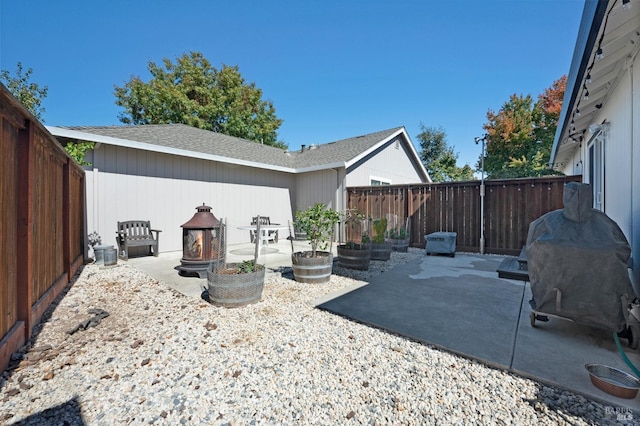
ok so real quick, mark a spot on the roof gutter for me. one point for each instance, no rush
(592, 16)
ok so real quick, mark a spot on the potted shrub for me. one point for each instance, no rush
(94, 241)
(380, 249)
(235, 284)
(352, 254)
(317, 223)
(398, 237)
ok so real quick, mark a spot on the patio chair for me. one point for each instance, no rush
(272, 236)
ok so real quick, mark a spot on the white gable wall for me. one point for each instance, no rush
(391, 163)
(621, 159)
(129, 184)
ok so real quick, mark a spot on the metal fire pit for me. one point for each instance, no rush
(202, 242)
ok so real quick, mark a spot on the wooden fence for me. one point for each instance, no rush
(42, 222)
(510, 205)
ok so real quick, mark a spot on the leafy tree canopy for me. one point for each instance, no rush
(191, 91)
(439, 158)
(31, 96)
(520, 135)
(28, 93)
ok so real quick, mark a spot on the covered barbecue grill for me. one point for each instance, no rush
(577, 263)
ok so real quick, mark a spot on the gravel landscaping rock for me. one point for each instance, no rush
(150, 355)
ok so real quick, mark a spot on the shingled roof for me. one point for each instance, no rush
(180, 139)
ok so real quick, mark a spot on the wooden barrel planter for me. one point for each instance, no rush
(354, 258)
(400, 246)
(380, 251)
(312, 270)
(230, 289)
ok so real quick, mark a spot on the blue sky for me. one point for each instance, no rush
(333, 68)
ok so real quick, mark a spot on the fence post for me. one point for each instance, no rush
(67, 256)
(26, 159)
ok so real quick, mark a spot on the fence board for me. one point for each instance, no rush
(510, 205)
(8, 226)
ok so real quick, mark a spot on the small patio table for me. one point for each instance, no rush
(263, 241)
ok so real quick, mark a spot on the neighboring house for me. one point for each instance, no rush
(599, 131)
(162, 173)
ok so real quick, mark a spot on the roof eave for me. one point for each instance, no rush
(592, 17)
(319, 167)
(108, 140)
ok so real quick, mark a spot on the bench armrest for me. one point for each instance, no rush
(157, 238)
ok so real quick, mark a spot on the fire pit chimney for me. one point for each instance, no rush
(202, 242)
(202, 219)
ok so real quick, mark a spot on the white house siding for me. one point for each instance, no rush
(391, 164)
(621, 159)
(129, 184)
(634, 156)
(324, 186)
(317, 187)
(617, 161)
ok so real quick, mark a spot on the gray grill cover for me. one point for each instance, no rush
(583, 253)
(441, 242)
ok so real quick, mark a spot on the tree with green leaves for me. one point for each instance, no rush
(191, 91)
(31, 95)
(28, 93)
(439, 158)
(520, 135)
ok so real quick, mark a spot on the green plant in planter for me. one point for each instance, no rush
(398, 237)
(354, 220)
(234, 284)
(379, 229)
(397, 234)
(353, 254)
(362, 245)
(380, 249)
(94, 239)
(318, 223)
(248, 266)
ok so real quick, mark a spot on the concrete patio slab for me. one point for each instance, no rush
(458, 304)
(442, 305)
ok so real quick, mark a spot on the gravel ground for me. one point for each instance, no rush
(150, 355)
